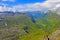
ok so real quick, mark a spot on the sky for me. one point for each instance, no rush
(29, 5)
(11, 3)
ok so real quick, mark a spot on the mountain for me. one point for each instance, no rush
(35, 25)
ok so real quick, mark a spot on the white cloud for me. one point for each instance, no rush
(53, 0)
(30, 7)
(47, 5)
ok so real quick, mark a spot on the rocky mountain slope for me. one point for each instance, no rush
(28, 25)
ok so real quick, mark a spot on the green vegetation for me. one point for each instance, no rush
(33, 31)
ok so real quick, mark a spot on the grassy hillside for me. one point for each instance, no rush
(22, 27)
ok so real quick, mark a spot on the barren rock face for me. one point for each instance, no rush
(12, 33)
(55, 35)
